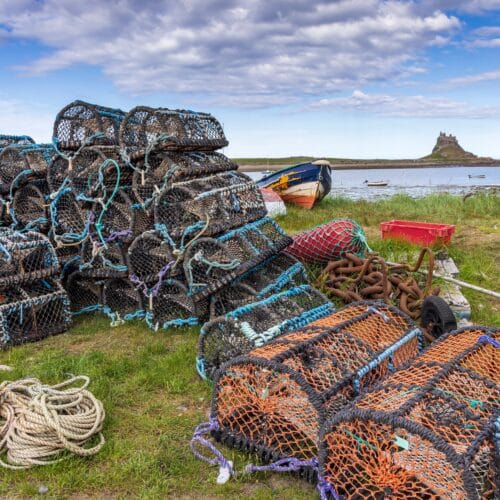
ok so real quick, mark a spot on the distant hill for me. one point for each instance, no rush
(447, 148)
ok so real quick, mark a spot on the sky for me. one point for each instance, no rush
(353, 78)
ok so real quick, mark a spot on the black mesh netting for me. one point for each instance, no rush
(30, 207)
(211, 263)
(22, 140)
(81, 123)
(257, 323)
(122, 301)
(20, 164)
(85, 292)
(89, 171)
(25, 257)
(209, 205)
(33, 311)
(101, 260)
(144, 129)
(278, 273)
(427, 431)
(165, 168)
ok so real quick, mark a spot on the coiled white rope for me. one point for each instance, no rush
(38, 422)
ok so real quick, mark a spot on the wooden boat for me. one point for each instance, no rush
(376, 183)
(273, 201)
(480, 176)
(302, 184)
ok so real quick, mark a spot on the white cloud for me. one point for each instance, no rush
(471, 79)
(416, 106)
(249, 52)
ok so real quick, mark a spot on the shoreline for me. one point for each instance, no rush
(371, 164)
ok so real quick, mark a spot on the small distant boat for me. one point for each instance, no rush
(303, 184)
(479, 176)
(376, 183)
(273, 201)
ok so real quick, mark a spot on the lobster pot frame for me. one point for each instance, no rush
(30, 207)
(121, 218)
(170, 305)
(151, 258)
(5, 219)
(210, 264)
(272, 276)
(20, 164)
(89, 171)
(69, 221)
(25, 257)
(82, 124)
(213, 204)
(100, 261)
(122, 301)
(33, 311)
(84, 292)
(427, 431)
(255, 324)
(146, 129)
(163, 168)
(273, 400)
(20, 140)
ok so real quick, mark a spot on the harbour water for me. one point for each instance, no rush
(415, 182)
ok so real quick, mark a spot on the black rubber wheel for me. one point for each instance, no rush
(437, 317)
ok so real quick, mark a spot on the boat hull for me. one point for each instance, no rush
(302, 185)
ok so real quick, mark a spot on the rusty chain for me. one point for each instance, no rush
(354, 278)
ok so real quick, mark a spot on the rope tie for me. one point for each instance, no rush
(42, 421)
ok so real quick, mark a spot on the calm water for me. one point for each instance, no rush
(415, 182)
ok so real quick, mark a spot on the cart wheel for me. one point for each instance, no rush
(437, 317)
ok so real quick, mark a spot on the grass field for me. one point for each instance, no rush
(154, 399)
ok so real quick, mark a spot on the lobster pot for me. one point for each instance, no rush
(82, 124)
(427, 431)
(212, 263)
(330, 241)
(213, 204)
(20, 140)
(25, 257)
(33, 311)
(101, 261)
(255, 324)
(170, 305)
(145, 129)
(121, 218)
(84, 292)
(20, 164)
(30, 207)
(278, 273)
(162, 169)
(69, 221)
(273, 400)
(91, 171)
(151, 258)
(122, 301)
(5, 219)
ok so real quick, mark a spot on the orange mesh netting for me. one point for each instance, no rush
(427, 431)
(274, 400)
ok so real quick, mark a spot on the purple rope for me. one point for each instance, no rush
(487, 338)
(161, 275)
(139, 284)
(118, 234)
(326, 490)
(283, 465)
(198, 438)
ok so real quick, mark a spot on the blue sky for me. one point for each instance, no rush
(356, 78)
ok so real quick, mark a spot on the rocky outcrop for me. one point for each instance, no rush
(448, 148)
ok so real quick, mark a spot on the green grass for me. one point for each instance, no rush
(154, 399)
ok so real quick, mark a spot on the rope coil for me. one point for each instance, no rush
(42, 421)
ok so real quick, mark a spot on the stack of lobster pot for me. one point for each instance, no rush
(155, 224)
(34, 305)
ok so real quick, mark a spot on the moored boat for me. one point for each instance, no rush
(479, 176)
(303, 184)
(376, 183)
